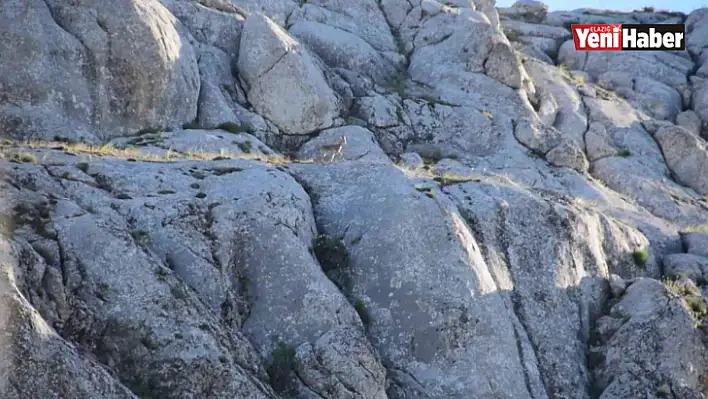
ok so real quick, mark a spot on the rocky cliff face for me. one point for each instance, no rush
(509, 218)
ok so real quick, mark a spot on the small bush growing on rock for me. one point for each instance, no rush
(696, 304)
(334, 259)
(679, 288)
(191, 126)
(698, 308)
(282, 368)
(28, 158)
(649, 9)
(448, 179)
(245, 146)
(641, 256)
(363, 312)
(140, 236)
(148, 130)
(235, 128)
(624, 153)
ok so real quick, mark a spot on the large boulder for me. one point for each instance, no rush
(532, 11)
(648, 345)
(284, 83)
(686, 156)
(95, 71)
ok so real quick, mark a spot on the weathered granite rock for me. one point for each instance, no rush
(510, 253)
(136, 69)
(285, 84)
(654, 324)
(528, 10)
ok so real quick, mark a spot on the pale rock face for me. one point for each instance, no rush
(528, 10)
(137, 69)
(569, 154)
(284, 83)
(500, 221)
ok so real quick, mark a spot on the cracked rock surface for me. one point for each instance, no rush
(348, 199)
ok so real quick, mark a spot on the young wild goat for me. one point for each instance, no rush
(334, 149)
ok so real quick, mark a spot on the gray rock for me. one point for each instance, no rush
(569, 154)
(692, 266)
(653, 328)
(528, 10)
(138, 70)
(380, 111)
(233, 263)
(686, 156)
(284, 83)
(210, 23)
(220, 95)
(598, 143)
(411, 160)
(617, 285)
(431, 7)
(696, 243)
(536, 30)
(29, 343)
(569, 114)
(690, 121)
(413, 335)
(341, 49)
(361, 146)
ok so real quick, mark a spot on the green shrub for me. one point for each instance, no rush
(191, 126)
(624, 153)
(282, 368)
(29, 158)
(641, 256)
(235, 128)
(363, 312)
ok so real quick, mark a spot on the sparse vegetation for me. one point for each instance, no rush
(148, 130)
(399, 84)
(282, 369)
(428, 191)
(140, 236)
(356, 121)
(362, 311)
(28, 158)
(245, 146)
(696, 228)
(641, 255)
(696, 304)
(447, 179)
(649, 9)
(135, 154)
(191, 126)
(624, 153)
(333, 256)
(579, 80)
(235, 128)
